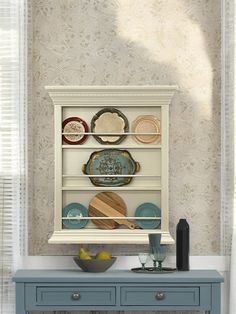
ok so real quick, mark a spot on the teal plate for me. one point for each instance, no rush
(148, 210)
(73, 210)
(110, 162)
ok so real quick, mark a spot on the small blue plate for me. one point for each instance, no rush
(73, 210)
(148, 210)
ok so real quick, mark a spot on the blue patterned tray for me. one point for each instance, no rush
(110, 162)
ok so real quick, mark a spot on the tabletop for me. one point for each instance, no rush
(74, 275)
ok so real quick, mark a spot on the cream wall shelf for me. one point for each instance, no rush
(151, 184)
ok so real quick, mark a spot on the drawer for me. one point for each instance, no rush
(149, 296)
(76, 295)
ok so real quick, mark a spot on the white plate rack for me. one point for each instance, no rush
(148, 185)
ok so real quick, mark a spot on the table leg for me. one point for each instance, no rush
(216, 299)
(20, 298)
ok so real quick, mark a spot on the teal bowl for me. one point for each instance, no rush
(94, 265)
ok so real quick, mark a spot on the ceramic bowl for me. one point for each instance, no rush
(94, 265)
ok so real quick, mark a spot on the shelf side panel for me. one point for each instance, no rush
(165, 168)
(58, 169)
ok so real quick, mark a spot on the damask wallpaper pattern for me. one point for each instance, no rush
(120, 42)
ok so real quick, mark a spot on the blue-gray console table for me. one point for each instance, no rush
(73, 290)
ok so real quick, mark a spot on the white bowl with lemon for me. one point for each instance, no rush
(98, 263)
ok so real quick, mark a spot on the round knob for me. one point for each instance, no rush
(160, 296)
(75, 296)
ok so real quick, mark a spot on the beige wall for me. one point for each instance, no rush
(132, 42)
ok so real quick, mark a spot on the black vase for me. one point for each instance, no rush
(182, 245)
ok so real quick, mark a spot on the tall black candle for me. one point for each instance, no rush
(182, 245)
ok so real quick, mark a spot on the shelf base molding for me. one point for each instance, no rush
(100, 236)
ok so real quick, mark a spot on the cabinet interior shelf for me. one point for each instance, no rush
(110, 175)
(112, 134)
(115, 188)
(109, 218)
(84, 146)
(112, 103)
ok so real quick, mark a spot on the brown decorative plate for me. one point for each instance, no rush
(146, 124)
(74, 125)
(109, 120)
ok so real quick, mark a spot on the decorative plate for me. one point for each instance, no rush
(146, 124)
(109, 162)
(109, 120)
(148, 210)
(74, 125)
(74, 210)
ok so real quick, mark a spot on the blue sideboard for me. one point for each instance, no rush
(119, 290)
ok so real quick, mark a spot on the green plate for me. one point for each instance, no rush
(74, 210)
(148, 210)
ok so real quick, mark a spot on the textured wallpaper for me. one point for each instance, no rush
(132, 42)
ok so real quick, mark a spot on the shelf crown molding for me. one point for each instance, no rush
(112, 95)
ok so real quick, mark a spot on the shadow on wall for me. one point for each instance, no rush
(132, 43)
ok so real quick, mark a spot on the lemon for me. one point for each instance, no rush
(83, 254)
(103, 255)
(86, 257)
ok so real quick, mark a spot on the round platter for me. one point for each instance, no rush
(146, 124)
(148, 210)
(74, 210)
(109, 120)
(111, 199)
(74, 125)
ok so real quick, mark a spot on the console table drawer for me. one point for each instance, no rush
(76, 295)
(149, 296)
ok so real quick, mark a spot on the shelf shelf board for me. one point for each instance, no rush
(111, 134)
(110, 218)
(128, 146)
(111, 188)
(110, 176)
(114, 236)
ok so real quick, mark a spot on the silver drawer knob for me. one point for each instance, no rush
(160, 296)
(75, 296)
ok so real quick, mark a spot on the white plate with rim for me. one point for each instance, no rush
(109, 120)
